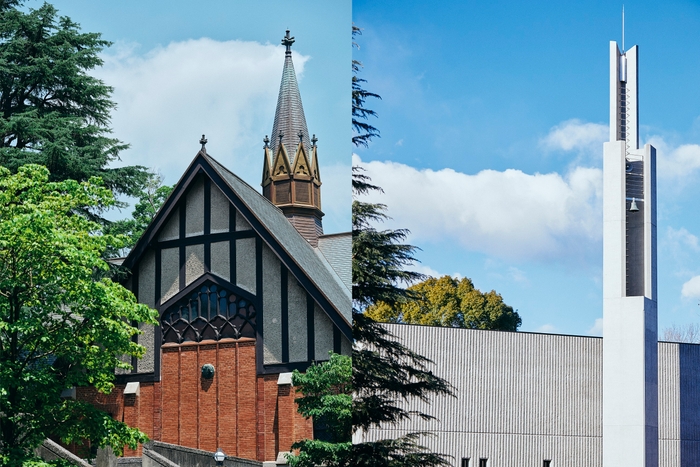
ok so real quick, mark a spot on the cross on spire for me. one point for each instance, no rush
(287, 41)
(203, 142)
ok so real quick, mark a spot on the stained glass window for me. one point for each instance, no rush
(211, 312)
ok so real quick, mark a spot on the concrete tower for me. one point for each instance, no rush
(291, 178)
(630, 387)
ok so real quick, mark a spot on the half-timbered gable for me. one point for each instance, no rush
(218, 237)
(241, 292)
(247, 289)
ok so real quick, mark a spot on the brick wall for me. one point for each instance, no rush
(245, 414)
(142, 411)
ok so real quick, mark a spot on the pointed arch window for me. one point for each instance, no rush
(209, 312)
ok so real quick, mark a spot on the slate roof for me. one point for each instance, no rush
(272, 218)
(277, 231)
(289, 116)
(337, 250)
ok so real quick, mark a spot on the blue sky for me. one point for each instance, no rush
(492, 121)
(182, 68)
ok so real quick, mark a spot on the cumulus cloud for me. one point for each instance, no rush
(168, 97)
(597, 328)
(675, 162)
(691, 289)
(683, 239)
(546, 328)
(510, 215)
(575, 135)
(586, 139)
(518, 275)
(424, 269)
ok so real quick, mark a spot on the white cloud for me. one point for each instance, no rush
(585, 138)
(546, 328)
(576, 135)
(683, 238)
(597, 328)
(691, 289)
(423, 269)
(510, 214)
(518, 275)
(168, 97)
(678, 162)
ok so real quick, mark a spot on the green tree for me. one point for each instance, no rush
(449, 302)
(327, 397)
(53, 113)
(150, 199)
(385, 373)
(363, 132)
(61, 323)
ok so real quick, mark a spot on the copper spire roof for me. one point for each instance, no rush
(289, 116)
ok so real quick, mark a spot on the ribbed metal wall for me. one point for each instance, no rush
(522, 398)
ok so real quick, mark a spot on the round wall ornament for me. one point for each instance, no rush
(208, 371)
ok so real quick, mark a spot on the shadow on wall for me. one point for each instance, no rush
(689, 374)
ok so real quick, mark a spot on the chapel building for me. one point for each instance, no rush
(248, 288)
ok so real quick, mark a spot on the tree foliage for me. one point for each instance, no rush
(61, 323)
(150, 199)
(378, 256)
(385, 373)
(688, 333)
(449, 302)
(327, 397)
(363, 132)
(52, 112)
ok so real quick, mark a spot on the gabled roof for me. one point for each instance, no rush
(336, 249)
(269, 222)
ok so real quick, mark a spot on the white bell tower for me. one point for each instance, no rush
(630, 385)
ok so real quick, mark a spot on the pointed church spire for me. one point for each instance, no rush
(289, 116)
(291, 179)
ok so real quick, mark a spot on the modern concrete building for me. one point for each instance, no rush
(630, 410)
(248, 289)
(527, 399)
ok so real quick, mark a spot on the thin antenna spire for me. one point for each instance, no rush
(623, 28)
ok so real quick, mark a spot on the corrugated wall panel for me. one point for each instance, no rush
(541, 385)
(525, 397)
(669, 392)
(508, 450)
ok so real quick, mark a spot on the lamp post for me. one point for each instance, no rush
(219, 457)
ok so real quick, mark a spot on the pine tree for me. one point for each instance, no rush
(385, 372)
(363, 131)
(52, 112)
(150, 200)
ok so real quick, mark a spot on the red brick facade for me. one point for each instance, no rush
(245, 414)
